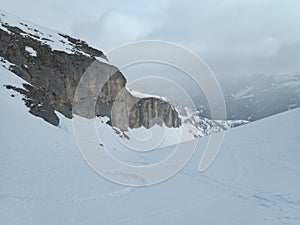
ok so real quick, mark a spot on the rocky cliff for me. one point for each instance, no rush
(53, 65)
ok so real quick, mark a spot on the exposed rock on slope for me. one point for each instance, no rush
(53, 64)
(200, 126)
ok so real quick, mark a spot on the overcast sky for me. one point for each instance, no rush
(233, 37)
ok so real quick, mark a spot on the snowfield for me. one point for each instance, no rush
(44, 180)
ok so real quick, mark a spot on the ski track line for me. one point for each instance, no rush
(120, 193)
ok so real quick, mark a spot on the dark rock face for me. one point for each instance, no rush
(54, 75)
(36, 100)
(151, 108)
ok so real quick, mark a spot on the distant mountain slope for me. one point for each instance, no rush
(259, 96)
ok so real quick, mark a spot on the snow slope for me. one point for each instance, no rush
(44, 180)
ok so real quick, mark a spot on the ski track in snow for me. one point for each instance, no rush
(123, 192)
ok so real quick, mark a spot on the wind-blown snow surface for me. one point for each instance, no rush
(44, 180)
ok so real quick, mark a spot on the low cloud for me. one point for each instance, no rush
(113, 28)
(235, 38)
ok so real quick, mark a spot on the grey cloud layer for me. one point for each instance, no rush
(234, 37)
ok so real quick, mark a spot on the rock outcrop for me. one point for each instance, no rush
(53, 75)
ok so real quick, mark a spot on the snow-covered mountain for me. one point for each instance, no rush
(200, 126)
(257, 97)
(52, 63)
(55, 40)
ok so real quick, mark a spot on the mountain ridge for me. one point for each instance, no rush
(53, 63)
(55, 69)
